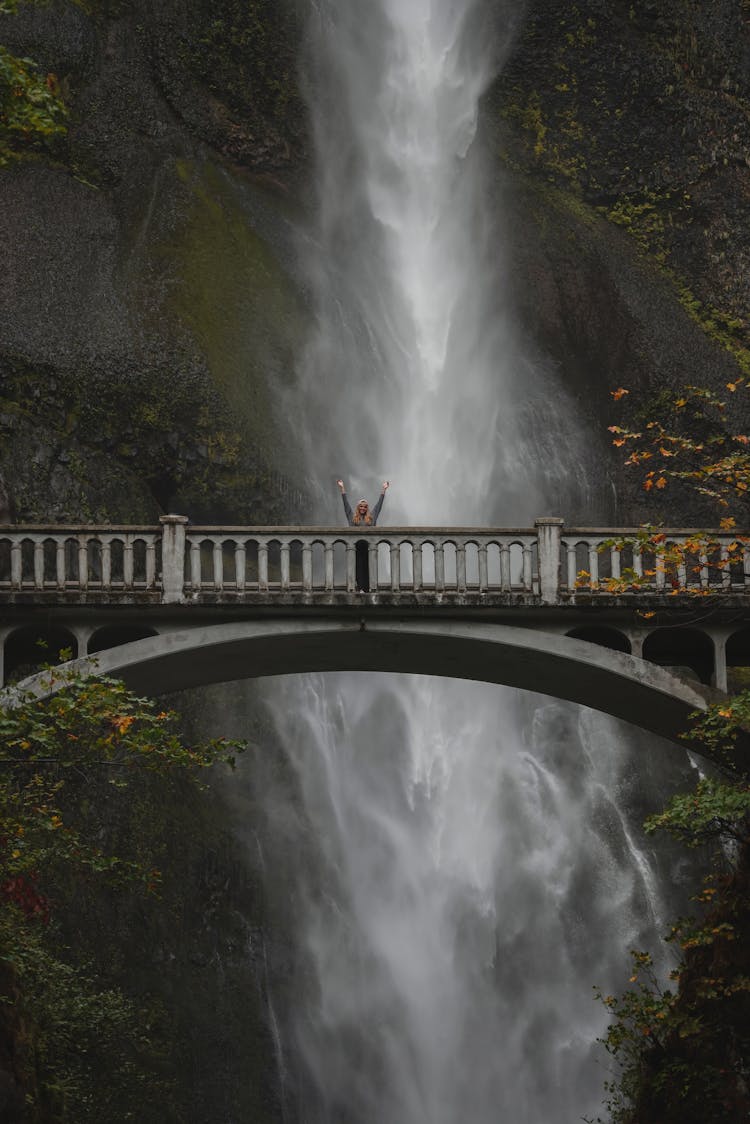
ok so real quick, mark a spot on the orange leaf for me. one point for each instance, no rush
(619, 393)
(661, 482)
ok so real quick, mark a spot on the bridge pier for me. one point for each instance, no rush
(173, 540)
(549, 538)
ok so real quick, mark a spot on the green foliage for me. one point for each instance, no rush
(679, 1060)
(683, 1054)
(716, 811)
(83, 1048)
(32, 112)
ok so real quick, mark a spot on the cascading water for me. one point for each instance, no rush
(462, 872)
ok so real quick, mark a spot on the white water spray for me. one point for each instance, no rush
(467, 876)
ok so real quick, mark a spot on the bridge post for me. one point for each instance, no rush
(172, 558)
(549, 532)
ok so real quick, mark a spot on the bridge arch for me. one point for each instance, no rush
(27, 648)
(564, 667)
(604, 636)
(681, 647)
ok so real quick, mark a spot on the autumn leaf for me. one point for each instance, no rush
(619, 393)
(661, 482)
(122, 725)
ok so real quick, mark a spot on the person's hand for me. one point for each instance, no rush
(386, 485)
(341, 485)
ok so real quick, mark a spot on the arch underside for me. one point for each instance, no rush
(615, 683)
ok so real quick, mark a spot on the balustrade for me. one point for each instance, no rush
(180, 562)
(287, 560)
(618, 562)
(72, 559)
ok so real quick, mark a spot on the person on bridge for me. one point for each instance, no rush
(362, 516)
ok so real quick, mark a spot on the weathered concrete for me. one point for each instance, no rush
(621, 685)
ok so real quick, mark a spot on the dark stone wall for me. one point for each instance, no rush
(148, 313)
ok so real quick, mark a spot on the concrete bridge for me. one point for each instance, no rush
(546, 608)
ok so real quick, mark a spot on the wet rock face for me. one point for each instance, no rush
(150, 311)
(638, 109)
(626, 132)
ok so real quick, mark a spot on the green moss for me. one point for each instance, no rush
(236, 301)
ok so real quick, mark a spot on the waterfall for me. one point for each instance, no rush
(460, 859)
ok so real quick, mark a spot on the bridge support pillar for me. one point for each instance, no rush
(172, 558)
(549, 532)
(720, 662)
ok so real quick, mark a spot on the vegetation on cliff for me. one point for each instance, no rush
(32, 111)
(76, 1045)
(683, 1052)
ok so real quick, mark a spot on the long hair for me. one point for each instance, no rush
(358, 519)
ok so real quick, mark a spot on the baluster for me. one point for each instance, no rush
(682, 572)
(285, 565)
(218, 556)
(484, 575)
(439, 567)
(703, 559)
(505, 567)
(307, 551)
(593, 564)
(195, 565)
(416, 553)
(616, 558)
(461, 567)
(570, 549)
(240, 566)
(106, 563)
(659, 566)
(637, 561)
(328, 553)
(528, 581)
(726, 573)
(372, 554)
(263, 566)
(60, 563)
(351, 565)
(83, 562)
(127, 562)
(16, 565)
(39, 565)
(395, 567)
(150, 564)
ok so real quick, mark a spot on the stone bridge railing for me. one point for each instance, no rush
(176, 562)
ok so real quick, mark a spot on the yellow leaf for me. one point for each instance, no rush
(122, 725)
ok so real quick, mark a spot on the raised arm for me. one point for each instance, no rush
(347, 505)
(379, 504)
